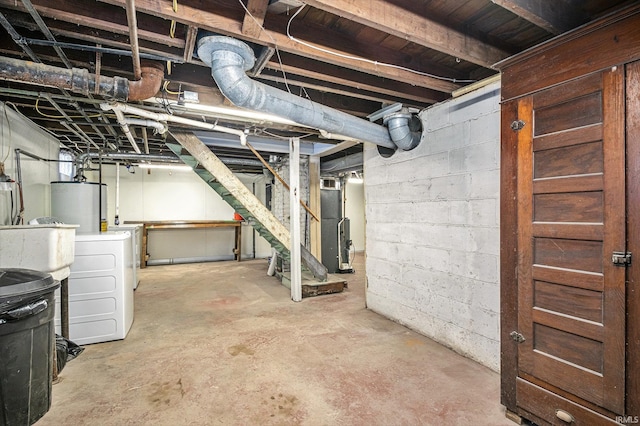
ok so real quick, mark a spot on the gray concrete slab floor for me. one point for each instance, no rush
(222, 344)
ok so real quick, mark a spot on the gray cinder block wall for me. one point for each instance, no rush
(432, 237)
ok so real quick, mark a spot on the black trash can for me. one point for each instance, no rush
(27, 341)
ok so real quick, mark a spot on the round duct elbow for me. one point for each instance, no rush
(405, 130)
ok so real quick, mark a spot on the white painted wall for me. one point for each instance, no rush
(180, 195)
(432, 237)
(16, 131)
(354, 210)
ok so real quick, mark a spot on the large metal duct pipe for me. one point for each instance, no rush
(79, 80)
(401, 129)
(229, 60)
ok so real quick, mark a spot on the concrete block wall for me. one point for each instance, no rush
(432, 236)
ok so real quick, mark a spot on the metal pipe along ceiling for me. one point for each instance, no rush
(79, 80)
(229, 60)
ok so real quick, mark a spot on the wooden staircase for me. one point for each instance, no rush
(222, 180)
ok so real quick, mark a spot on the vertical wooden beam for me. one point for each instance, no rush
(314, 204)
(254, 17)
(633, 237)
(190, 43)
(294, 194)
(613, 116)
(508, 255)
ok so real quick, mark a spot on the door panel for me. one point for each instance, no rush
(571, 199)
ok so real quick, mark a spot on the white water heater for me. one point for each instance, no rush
(80, 203)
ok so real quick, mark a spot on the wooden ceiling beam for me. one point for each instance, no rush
(355, 80)
(344, 90)
(413, 27)
(254, 18)
(89, 34)
(190, 43)
(84, 14)
(206, 19)
(556, 17)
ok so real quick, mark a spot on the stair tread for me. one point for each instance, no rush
(228, 196)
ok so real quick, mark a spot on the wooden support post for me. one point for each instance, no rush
(294, 194)
(238, 249)
(314, 204)
(64, 307)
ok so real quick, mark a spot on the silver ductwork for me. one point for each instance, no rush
(229, 60)
(401, 132)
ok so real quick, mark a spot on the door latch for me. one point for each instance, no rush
(517, 337)
(621, 258)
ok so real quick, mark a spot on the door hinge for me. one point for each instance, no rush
(621, 258)
(518, 125)
(519, 338)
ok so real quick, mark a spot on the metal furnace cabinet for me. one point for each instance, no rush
(570, 225)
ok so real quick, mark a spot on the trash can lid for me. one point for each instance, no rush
(18, 283)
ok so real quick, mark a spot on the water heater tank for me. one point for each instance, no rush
(79, 203)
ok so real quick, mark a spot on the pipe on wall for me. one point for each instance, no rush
(229, 60)
(122, 121)
(123, 156)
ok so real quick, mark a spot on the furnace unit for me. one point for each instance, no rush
(336, 237)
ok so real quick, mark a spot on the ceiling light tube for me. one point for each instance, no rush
(177, 167)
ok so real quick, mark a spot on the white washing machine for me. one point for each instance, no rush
(136, 244)
(100, 288)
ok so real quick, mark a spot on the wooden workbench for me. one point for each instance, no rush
(188, 224)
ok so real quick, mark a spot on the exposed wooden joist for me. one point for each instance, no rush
(333, 74)
(206, 19)
(554, 16)
(254, 20)
(409, 25)
(342, 90)
(380, 55)
(94, 36)
(262, 60)
(190, 43)
(84, 14)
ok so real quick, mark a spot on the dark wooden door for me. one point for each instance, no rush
(571, 205)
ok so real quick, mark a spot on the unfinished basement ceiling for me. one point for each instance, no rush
(352, 56)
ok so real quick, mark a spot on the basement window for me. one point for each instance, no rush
(65, 165)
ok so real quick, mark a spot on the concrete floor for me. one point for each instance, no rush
(222, 344)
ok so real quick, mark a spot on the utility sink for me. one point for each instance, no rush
(48, 248)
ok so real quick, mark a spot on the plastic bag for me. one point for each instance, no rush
(66, 350)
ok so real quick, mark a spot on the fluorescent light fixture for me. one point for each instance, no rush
(176, 167)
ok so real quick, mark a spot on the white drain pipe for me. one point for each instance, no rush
(120, 108)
